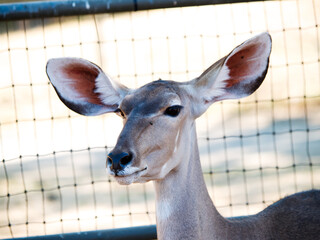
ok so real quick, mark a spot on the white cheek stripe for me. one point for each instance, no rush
(176, 142)
(164, 169)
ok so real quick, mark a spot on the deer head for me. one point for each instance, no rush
(158, 116)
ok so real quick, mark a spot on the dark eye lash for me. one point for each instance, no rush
(119, 112)
(173, 111)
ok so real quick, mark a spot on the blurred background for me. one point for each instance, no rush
(253, 152)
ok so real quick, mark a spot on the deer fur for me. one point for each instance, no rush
(159, 143)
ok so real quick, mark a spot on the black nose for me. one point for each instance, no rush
(118, 161)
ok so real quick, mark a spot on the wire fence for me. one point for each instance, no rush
(253, 151)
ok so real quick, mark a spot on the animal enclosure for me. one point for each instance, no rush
(253, 151)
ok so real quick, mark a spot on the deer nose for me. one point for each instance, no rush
(118, 161)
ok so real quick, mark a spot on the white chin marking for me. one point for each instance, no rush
(129, 175)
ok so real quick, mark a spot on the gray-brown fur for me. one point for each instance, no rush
(195, 217)
(161, 147)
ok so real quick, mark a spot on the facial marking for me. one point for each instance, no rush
(176, 141)
(128, 175)
(144, 133)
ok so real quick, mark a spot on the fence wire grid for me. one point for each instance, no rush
(253, 151)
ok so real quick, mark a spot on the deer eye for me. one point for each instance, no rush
(119, 112)
(173, 111)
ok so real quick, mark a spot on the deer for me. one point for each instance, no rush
(158, 143)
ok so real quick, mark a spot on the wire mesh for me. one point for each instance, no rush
(253, 151)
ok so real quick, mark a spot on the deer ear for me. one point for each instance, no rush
(83, 87)
(236, 75)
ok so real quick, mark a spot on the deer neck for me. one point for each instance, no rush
(183, 206)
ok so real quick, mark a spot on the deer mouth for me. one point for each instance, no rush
(125, 177)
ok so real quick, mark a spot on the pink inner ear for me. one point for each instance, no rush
(83, 80)
(243, 63)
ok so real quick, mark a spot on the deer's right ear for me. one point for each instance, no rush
(83, 87)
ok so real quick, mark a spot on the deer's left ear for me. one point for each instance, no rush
(236, 75)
